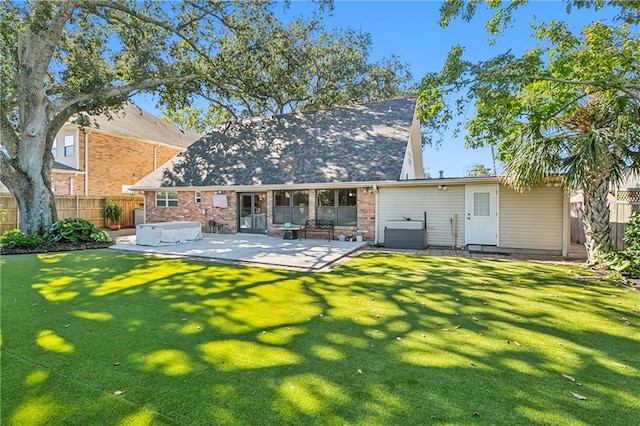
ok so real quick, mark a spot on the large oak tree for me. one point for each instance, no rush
(62, 57)
(289, 67)
(568, 108)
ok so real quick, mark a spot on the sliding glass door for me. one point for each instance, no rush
(253, 212)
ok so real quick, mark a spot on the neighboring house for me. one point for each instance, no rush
(360, 166)
(106, 156)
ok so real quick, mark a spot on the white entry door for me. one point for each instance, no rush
(482, 214)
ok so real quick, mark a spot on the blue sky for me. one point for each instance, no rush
(409, 29)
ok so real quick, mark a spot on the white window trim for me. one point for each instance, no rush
(166, 199)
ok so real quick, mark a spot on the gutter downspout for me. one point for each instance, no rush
(377, 207)
(566, 223)
(86, 162)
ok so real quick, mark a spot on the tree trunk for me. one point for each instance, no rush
(36, 206)
(597, 228)
(27, 173)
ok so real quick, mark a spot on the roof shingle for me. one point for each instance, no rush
(355, 143)
(133, 121)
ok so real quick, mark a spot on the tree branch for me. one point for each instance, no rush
(53, 34)
(59, 105)
(632, 90)
(173, 29)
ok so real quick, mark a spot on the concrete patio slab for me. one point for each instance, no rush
(253, 249)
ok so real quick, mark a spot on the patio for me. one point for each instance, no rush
(300, 254)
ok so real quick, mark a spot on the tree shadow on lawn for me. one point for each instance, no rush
(384, 339)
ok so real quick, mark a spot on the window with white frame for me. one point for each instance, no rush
(68, 146)
(198, 197)
(166, 199)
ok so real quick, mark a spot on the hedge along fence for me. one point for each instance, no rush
(88, 208)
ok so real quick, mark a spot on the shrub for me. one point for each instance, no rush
(632, 236)
(626, 262)
(113, 213)
(75, 230)
(14, 238)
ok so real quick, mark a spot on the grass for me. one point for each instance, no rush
(99, 337)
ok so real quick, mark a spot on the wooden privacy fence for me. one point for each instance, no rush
(620, 214)
(88, 208)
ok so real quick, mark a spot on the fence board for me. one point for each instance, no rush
(129, 204)
(8, 213)
(620, 214)
(88, 208)
(577, 230)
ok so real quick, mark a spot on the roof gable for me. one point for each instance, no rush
(365, 142)
(133, 121)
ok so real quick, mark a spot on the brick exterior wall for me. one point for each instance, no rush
(113, 161)
(190, 211)
(63, 183)
(204, 211)
(367, 213)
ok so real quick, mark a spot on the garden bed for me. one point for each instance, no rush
(55, 247)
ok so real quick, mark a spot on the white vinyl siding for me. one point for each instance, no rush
(65, 148)
(444, 208)
(412, 167)
(532, 219)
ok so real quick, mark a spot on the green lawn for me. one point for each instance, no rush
(105, 338)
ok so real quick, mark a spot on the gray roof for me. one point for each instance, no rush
(355, 143)
(60, 166)
(133, 121)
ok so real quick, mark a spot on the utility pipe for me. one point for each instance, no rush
(86, 161)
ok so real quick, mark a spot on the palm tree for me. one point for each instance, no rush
(589, 149)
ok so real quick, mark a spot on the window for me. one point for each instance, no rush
(198, 197)
(290, 207)
(68, 146)
(481, 204)
(166, 199)
(339, 205)
(54, 151)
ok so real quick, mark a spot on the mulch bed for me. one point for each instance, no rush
(55, 247)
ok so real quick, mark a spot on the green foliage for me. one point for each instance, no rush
(618, 261)
(62, 58)
(567, 107)
(626, 262)
(632, 236)
(480, 170)
(75, 230)
(113, 212)
(14, 238)
(279, 68)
